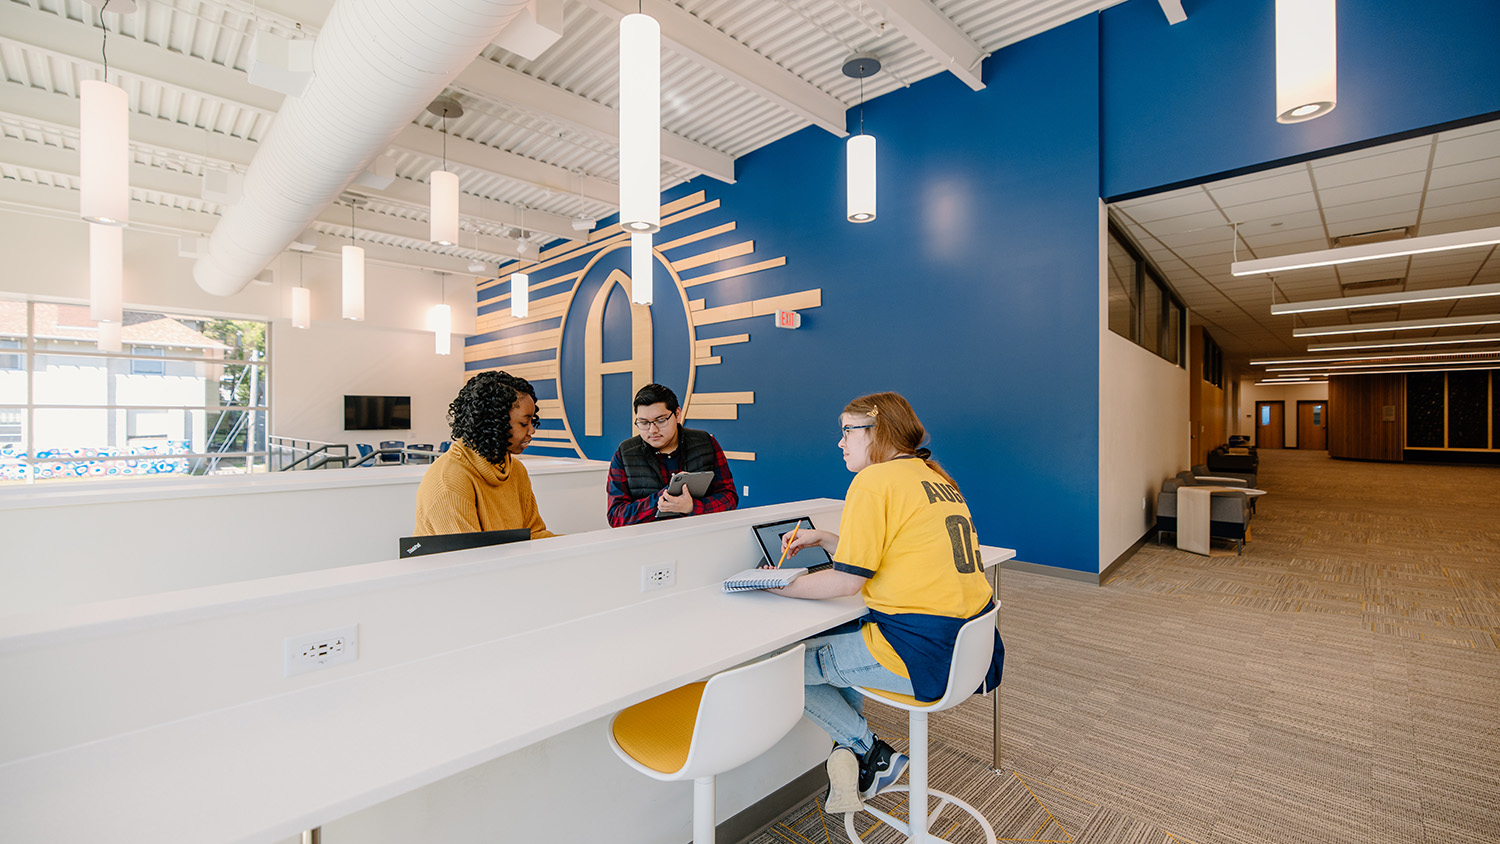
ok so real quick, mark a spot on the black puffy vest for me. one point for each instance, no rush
(643, 470)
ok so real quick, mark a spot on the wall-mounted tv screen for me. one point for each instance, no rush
(377, 413)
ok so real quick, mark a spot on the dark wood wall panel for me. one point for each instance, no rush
(1357, 427)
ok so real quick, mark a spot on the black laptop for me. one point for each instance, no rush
(416, 546)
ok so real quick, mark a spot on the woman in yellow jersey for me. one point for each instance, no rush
(906, 543)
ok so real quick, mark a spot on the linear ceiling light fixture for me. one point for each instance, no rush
(1289, 382)
(1337, 367)
(443, 214)
(1475, 367)
(859, 151)
(354, 274)
(1306, 59)
(1368, 252)
(1405, 297)
(1393, 356)
(640, 123)
(1352, 345)
(1399, 325)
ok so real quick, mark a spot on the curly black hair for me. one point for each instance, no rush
(480, 414)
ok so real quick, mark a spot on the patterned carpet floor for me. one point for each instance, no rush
(1340, 682)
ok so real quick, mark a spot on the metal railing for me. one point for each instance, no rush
(294, 454)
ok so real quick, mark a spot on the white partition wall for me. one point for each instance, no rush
(474, 711)
(95, 541)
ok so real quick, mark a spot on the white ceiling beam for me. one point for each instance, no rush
(429, 142)
(497, 83)
(78, 42)
(62, 163)
(938, 36)
(42, 107)
(1173, 10)
(717, 52)
(417, 195)
(136, 58)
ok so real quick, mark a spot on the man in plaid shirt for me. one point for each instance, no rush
(643, 465)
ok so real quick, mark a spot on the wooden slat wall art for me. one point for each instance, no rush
(494, 293)
(1357, 423)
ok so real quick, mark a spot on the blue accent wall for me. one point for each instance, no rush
(1185, 103)
(974, 294)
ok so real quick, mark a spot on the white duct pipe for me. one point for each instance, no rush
(376, 64)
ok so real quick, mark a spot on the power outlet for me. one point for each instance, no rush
(658, 576)
(314, 651)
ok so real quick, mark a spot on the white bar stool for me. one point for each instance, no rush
(704, 729)
(971, 659)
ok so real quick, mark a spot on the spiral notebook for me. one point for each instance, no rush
(751, 579)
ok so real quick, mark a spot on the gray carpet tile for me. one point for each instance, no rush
(1339, 682)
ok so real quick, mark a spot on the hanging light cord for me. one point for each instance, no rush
(861, 98)
(104, 43)
(445, 139)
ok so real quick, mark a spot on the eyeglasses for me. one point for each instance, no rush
(643, 424)
(844, 430)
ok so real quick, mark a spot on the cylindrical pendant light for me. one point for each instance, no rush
(440, 320)
(520, 306)
(1306, 59)
(109, 337)
(444, 212)
(859, 152)
(301, 307)
(860, 155)
(354, 283)
(443, 202)
(641, 263)
(106, 273)
(104, 153)
(640, 123)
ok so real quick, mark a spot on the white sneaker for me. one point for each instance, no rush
(843, 783)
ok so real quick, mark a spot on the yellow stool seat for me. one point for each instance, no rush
(906, 701)
(659, 732)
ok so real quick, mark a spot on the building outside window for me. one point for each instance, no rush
(187, 395)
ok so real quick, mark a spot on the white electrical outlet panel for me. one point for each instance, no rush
(313, 651)
(658, 576)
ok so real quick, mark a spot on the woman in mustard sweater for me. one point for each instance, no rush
(478, 484)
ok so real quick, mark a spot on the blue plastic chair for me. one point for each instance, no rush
(365, 451)
(392, 459)
(419, 458)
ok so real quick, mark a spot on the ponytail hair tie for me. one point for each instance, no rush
(923, 453)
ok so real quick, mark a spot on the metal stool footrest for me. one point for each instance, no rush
(944, 800)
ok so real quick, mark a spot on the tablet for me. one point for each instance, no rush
(696, 482)
(812, 558)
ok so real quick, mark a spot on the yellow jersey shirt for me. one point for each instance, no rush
(910, 532)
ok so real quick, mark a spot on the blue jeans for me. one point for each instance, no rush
(832, 666)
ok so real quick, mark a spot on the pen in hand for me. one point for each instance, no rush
(792, 537)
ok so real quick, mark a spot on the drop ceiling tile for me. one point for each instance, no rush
(1340, 171)
(1407, 188)
(1175, 204)
(1352, 219)
(1461, 216)
(1469, 192)
(1467, 147)
(1285, 184)
(1373, 270)
(1466, 131)
(1204, 220)
(1286, 243)
(1469, 172)
(1269, 211)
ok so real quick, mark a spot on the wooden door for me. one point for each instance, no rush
(1270, 424)
(1312, 425)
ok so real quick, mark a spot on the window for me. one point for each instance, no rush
(1142, 306)
(1213, 362)
(10, 360)
(148, 367)
(188, 395)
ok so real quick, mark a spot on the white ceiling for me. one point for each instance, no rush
(535, 147)
(1441, 183)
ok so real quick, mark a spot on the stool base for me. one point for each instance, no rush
(944, 800)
